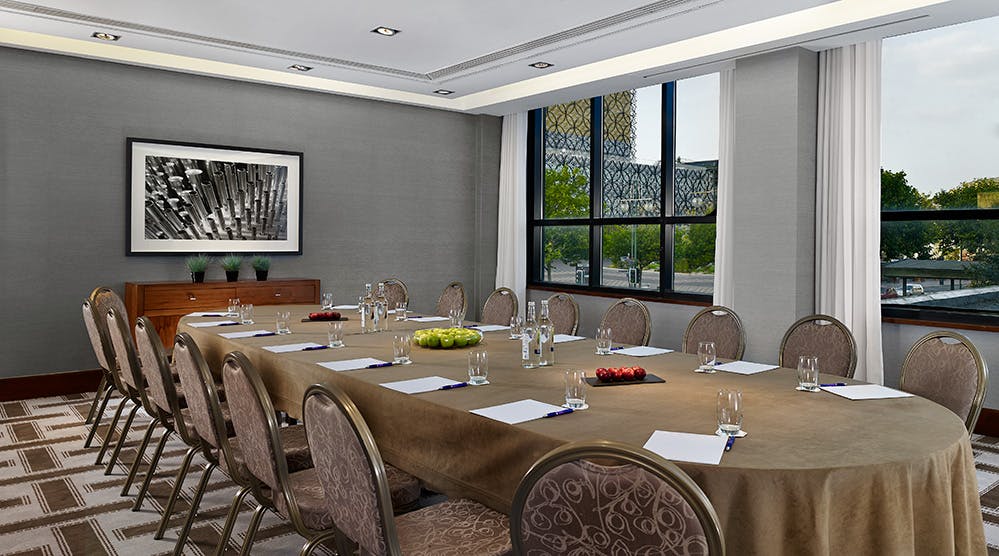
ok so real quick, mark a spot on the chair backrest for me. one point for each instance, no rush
(453, 297)
(97, 332)
(350, 470)
(629, 322)
(569, 504)
(947, 368)
(824, 337)
(395, 291)
(500, 307)
(155, 369)
(564, 312)
(124, 352)
(719, 325)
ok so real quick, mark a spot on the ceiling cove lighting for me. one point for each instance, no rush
(443, 92)
(300, 67)
(385, 31)
(105, 36)
(542, 65)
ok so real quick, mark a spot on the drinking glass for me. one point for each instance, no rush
(233, 307)
(283, 322)
(401, 344)
(400, 310)
(457, 317)
(478, 367)
(808, 373)
(335, 334)
(575, 389)
(327, 300)
(706, 357)
(730, 412)
(516, 322)
(246, 313)
(603, 340)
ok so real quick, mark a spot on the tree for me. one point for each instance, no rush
(694, 248)
(901, 240)
(566, 195)
(967, 239)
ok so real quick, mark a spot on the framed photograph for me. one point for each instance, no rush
(195, 198)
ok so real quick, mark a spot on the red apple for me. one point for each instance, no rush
(639, 373)
(628, 374)
(602, 374)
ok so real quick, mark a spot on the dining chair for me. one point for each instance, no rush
(295, 496)
(632, 502)
(356, 492)
(629, 321)
(564, 313)
(500, 307)
(101, 344)
(822, 336)
(395, 291)
(453, 297)
(719, 325)
(945, 367)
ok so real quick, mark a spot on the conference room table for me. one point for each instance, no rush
(816, 474)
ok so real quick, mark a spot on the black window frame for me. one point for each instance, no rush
(666, 218)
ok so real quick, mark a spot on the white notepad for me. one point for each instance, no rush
(684, 446)
(345, 307)
(518, 412)
(246, 334)
(745, 367)
(490, 327)
(352, 364)
(866, 392)
(293, 347)
(428, 319)
(212, 323)
(643, 351)
(561, 338)
(418, 385)
(208, 314)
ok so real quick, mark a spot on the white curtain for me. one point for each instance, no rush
(848, 198)
(724, 279)
(511, 251)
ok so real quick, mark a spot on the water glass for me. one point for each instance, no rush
(327, 301)
(516, 322)
(808, 373)
(706, 357)
(400, 310)
(575, 389)
(457, 317)
(335, 334)
(603, 340)
(730, 411)
(283, 325)
(478, 367)
(246, 313)
(233, 307)
(401, 344)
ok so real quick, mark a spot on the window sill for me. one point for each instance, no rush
(675, 299)
(942, 324)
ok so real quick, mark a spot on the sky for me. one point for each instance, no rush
(696, 125)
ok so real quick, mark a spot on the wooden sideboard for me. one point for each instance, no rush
(165, 302)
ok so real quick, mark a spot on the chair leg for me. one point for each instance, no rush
(138, 456)
(98, 416)
(97, 396)
(152, 471)
(121, 440)
(251, 531)
(111, 430)
(195, 502)
(178, 485)
(230, 520)
(316, 541)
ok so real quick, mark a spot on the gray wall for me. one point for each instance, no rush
(388, 190)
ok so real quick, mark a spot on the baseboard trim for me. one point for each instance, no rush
(54, 384)
(988, 422)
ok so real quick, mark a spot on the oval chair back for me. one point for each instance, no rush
(824, 337)
(564, 313)
(395, 292)
(947, 368)
(719, 325)
(500, 307)
(453, 297)
(629, 322)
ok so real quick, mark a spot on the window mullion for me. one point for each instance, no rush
(596, 188)
(666, 232)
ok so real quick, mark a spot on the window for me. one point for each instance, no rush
(622, 192)
(940, 175)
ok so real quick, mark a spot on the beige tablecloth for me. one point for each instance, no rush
(817, 474)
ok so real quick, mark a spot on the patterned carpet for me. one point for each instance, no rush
(55, 501)
(986, 450)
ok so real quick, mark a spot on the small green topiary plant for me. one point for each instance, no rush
(260, 262)
(231, 262)
(198, 263)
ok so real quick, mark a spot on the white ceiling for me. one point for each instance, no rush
(479, 50)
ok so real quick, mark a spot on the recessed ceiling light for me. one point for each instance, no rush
(105, 36)
(443, 92)
(542, 65)
(299, 67)
(385, 31)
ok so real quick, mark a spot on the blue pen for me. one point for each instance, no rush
(264, 334)
(833, 384)
(377, 365)
(557, 413)
(228, 323)
(311, 348)
(453, 386)
(728, 445)
(616, 348)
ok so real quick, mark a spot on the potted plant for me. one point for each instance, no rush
(231, 264)
(261, 264)
(196, 265)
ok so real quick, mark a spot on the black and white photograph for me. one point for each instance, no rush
(206, 198)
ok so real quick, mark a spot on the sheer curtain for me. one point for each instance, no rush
(848, 198)
(724, 286)
(511, 251)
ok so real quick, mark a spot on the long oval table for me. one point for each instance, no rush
(817, 474)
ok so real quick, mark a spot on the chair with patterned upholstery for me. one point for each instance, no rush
(453, 297)
(355, 485)
(719, 325)
(632, 502)
(824, 337)
(629, 322)
(564, 313)
(295, 496)
(500, 307)
(395, 292)
(99, 341)
(947, 368)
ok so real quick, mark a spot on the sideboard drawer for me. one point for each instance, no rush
(191, 297)
(275, 295)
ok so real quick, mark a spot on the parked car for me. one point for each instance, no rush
(890, 293)
(914, 289)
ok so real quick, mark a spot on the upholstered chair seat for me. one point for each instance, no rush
(293, 442)
(719, 325)
(629, 322)
(310, 499)
(500, 307)
(453, 528)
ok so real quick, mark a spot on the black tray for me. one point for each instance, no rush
(649, 379)
(324, 320)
